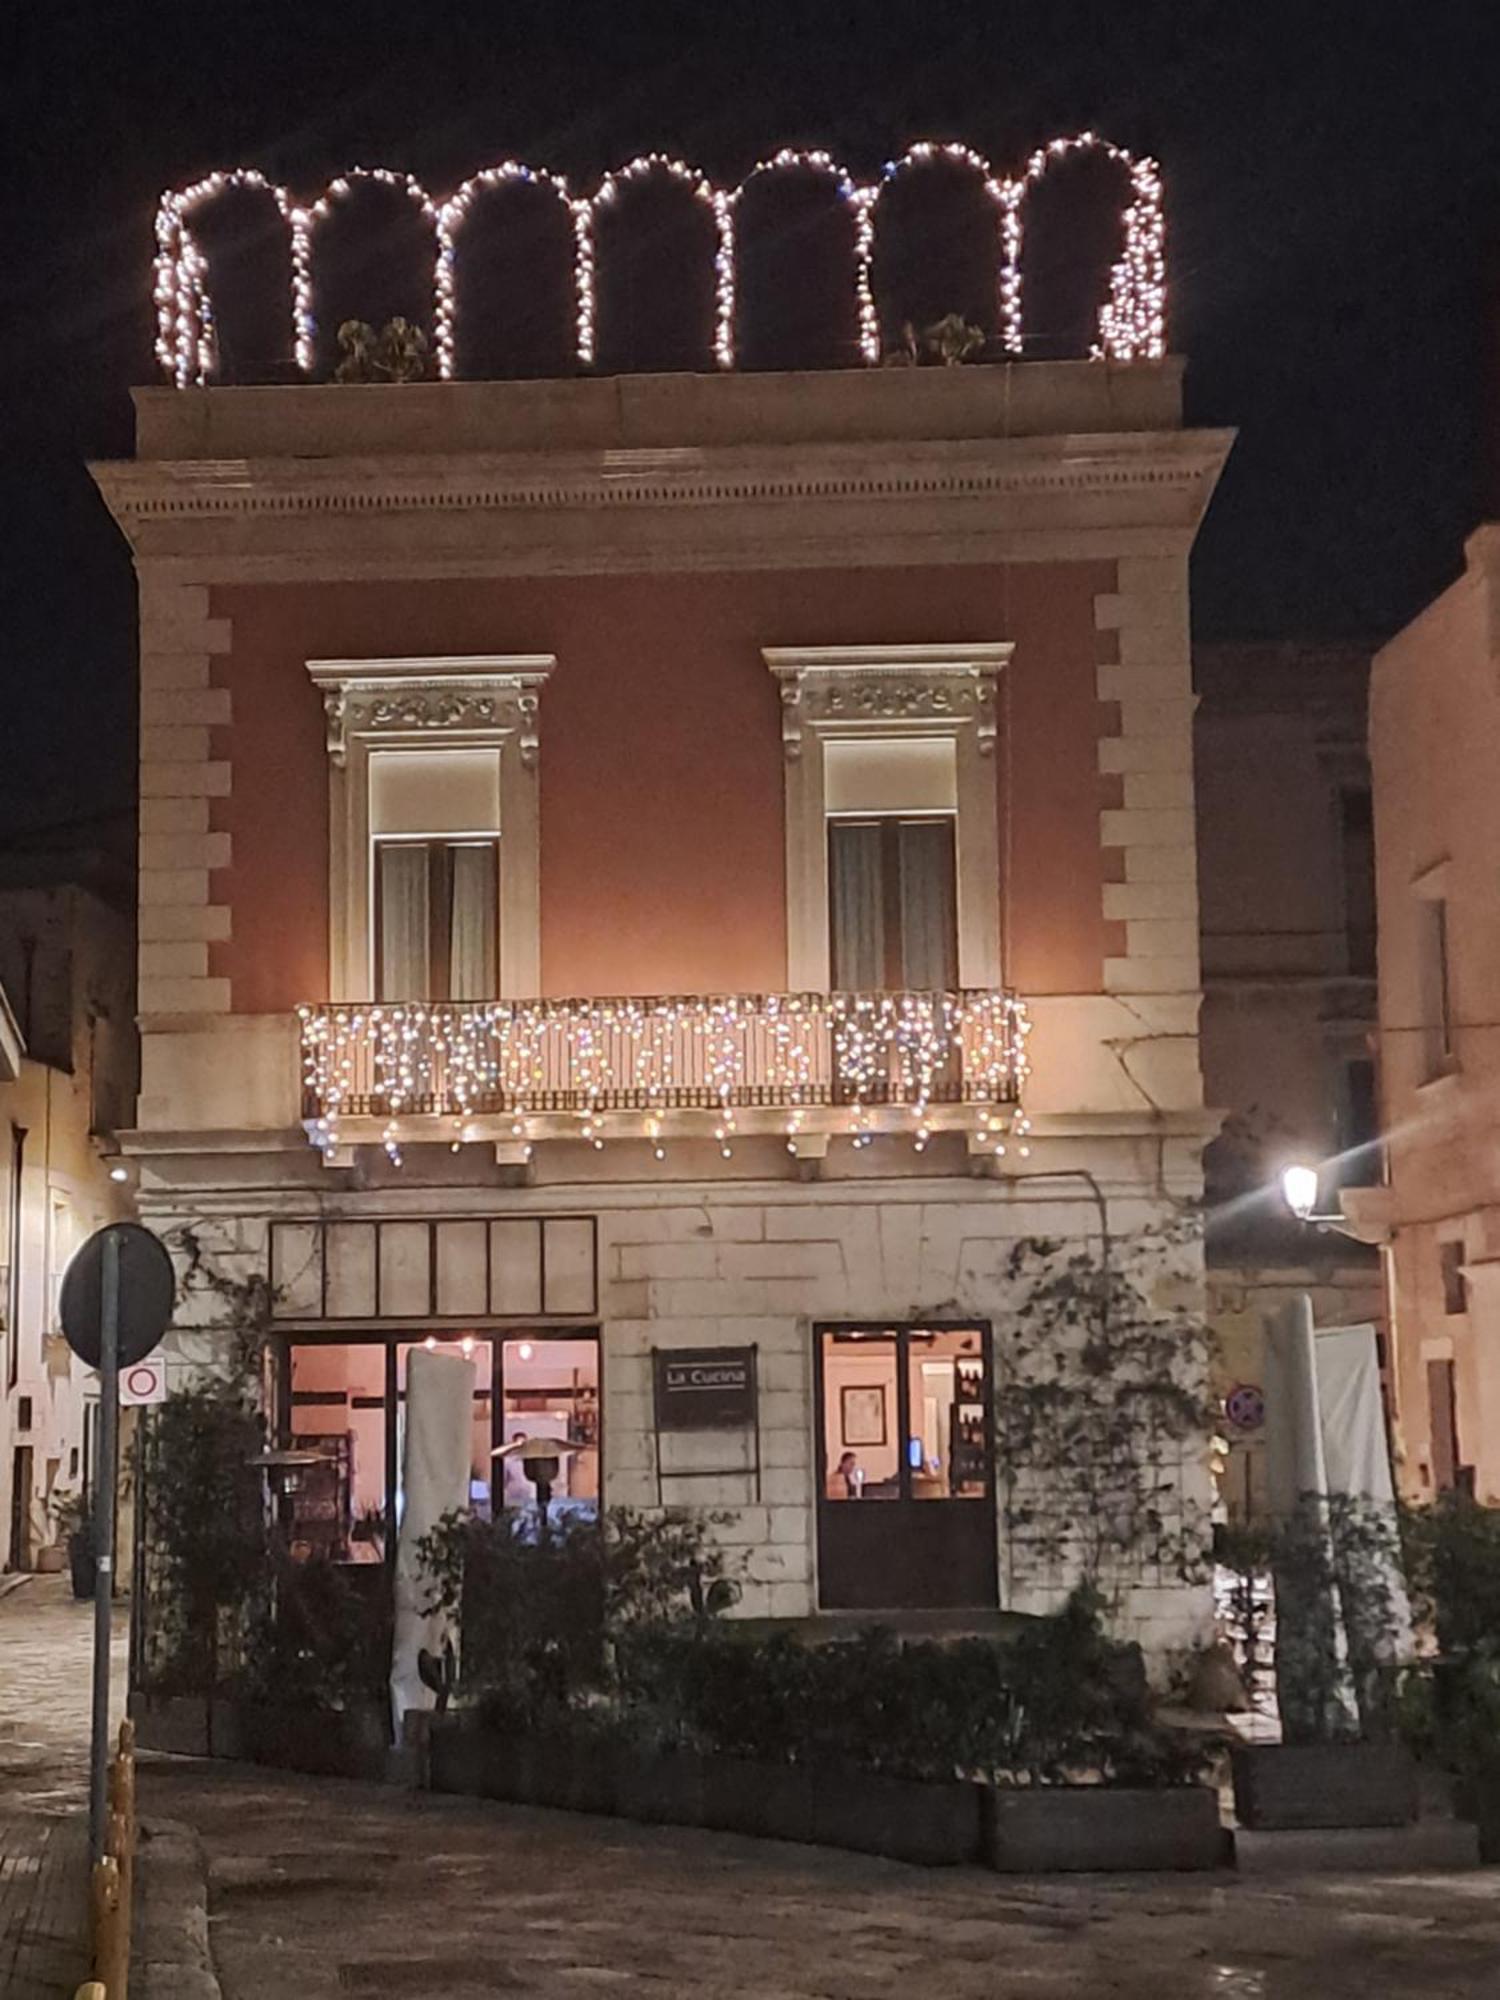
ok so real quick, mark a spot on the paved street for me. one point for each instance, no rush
(319, 1888)
(46, 1646)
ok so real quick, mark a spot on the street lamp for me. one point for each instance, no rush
(1299, 1190)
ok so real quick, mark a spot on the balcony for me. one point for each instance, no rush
(801, 1065)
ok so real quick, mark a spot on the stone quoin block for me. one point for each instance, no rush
(173, 961)
(164, 670)
(160, 816)
(1164, 752)
(168, 921)
(196, 780)
(1176, 899)
(183, 996)
(173, 851)
(174, 707)
(173, 744)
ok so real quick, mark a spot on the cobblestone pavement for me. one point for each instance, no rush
(319, 1888)
(46, 1650)
(46, 1655)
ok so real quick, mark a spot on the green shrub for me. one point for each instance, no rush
(549, 1625)
(1058, 1701)
(1448, 1708)
(325, 1639)
(206, 1528)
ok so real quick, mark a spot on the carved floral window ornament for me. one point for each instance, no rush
(431, 708)
(886, 696)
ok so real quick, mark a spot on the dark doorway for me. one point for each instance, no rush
(1442, 1405)
(20, 1508)
(906, 1468)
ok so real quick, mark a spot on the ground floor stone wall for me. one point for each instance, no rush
(762, 1266)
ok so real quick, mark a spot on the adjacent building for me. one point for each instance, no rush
(67, 1079)
(1287, 904)
(1434, 741)
(655, 884)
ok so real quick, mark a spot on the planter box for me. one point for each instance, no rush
(1291, 1785)
(1478, 1799)
(324, 1743)
(1069, 1829)
(183, 1726)
(766, 1801)
(665, 1790)
(934, 1825)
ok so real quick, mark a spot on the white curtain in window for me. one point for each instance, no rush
(856, 906)
(471, 934)
(929, 931)
(402, 946)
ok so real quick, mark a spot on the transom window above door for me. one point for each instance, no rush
(433, 826)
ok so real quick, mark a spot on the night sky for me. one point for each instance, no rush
(1331, 176)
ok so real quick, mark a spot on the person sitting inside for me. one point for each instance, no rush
(847, 1480)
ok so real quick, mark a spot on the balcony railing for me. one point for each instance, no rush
(776, 1058)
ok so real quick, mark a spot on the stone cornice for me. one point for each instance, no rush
(699, 507)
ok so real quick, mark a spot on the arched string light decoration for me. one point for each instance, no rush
(1132, 320)
(305, 220)
(451, 215)
(860, 201)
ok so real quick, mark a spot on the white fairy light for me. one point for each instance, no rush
(708, 1057)
(449, 217)
(305, 220)
(860, 201)
(718, 206)
(185, 344)
(1132, 321)
(922, 154)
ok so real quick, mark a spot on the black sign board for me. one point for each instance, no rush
(705, 1388)
(147, 1293)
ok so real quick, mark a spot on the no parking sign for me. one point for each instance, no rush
(143, 1382)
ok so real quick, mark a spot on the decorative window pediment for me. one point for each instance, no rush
(888, 696)
(381, 712)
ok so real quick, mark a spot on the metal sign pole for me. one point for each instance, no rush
(104, 1533)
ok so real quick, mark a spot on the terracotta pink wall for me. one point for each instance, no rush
(661, 765)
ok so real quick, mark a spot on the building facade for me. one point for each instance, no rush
(66, 1086)
(1434, 731)
(655, 886)
(1287, 897)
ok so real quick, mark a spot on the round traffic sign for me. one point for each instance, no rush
(148, 1288)
(1245, 1406)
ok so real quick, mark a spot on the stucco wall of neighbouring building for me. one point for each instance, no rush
(1435, 752)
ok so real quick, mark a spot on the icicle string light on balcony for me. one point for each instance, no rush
(587, 1061)
(1132, 321)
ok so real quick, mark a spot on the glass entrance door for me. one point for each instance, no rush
(906, 1514)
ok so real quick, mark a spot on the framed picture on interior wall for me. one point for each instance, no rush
(862, 1413)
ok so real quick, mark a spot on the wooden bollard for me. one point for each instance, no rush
(111, 1930)
(122, 1791)
(127, 1738)
(91, 1990)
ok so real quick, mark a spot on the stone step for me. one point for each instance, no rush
(1445, 1844)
